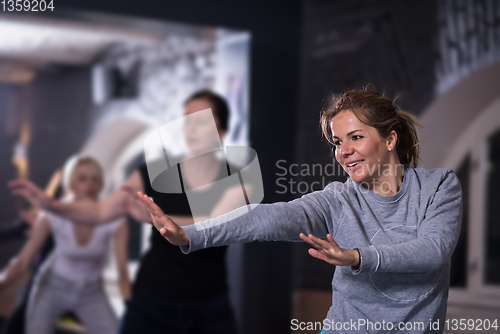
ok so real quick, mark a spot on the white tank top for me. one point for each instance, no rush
(72, 261)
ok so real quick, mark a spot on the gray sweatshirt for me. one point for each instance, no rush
(405, 242)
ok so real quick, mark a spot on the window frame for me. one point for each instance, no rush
(474, 142)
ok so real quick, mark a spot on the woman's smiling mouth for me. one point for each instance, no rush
(352, 165)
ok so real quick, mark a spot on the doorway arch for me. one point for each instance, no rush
(457, 128)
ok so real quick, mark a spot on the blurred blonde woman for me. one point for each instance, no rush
(71, 278)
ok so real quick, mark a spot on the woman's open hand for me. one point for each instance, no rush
(134, 206)
(166, 226)
(31, 192)
(330, 252)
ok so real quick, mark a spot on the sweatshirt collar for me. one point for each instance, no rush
(386, 199)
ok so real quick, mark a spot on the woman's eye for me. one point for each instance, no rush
(356, 137)
(336, 143)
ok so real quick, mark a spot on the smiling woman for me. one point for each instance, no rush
(381, 113)
(373, 139)
(390, 229)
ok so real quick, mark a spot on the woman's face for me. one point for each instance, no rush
(198, 132)
(86, 183)
(359, 149)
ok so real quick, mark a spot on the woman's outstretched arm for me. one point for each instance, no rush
(89, 212)
(282, 221)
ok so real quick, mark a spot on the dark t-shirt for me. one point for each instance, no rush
(164, 269)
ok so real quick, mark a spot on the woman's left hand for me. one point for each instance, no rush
(330, 252)
(134, 206)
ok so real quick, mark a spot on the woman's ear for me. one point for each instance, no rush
(392, 140)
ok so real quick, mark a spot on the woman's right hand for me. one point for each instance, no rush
(30, 191)
(163, 223)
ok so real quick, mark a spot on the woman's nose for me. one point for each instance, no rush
(345, 150)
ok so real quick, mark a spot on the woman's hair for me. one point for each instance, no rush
(383, 114)
(71, 166)
(219, 106)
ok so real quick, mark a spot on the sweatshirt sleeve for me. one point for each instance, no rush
(436, 239)
(282, 221)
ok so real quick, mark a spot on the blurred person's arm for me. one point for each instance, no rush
(230, 200)
(92, 213)
(30, 218)
(121, 249)
(135, 208)
(21, 263)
